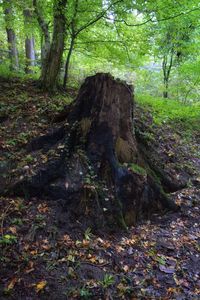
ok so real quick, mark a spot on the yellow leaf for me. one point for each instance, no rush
(93, 259)
(40, 285)
(12, 283)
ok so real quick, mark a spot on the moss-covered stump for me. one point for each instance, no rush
(96, 168)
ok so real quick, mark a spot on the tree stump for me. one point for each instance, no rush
(96, 168)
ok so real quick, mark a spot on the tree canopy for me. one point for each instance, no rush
(138, 40)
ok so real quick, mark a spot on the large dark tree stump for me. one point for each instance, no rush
(97, 169)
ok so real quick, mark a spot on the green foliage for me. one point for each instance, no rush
(121, 37)
(88, 234)
(172, 111)
(8, 239)
(85, 293)
(137, 169)
(107, 281)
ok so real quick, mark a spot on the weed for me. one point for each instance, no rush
(173, 112)
(8, 239)
(107, 281)
(17, 221)
(85, 293)
(88, 234)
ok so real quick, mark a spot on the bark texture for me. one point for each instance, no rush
(45, 34)
(11, 37)
(29, 43)
(52, 62)
(97, 169)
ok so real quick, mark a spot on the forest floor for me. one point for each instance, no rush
(46, 257)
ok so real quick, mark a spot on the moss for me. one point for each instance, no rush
(130, 217)
(85, 125)
(123, 150)
(138, 169)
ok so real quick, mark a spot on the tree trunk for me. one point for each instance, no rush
(52, 63)
(166, 67)
(45, 36)
(29, 44)
(96, 168)
(12, 44)
(166, 85)
(67, 63)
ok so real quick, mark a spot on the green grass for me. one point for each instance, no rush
(169, 111)
(6, 73)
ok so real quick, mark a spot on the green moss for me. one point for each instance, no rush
(138, 169)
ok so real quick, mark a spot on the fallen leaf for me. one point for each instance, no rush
(13, 229)
(12, 283)
(126, 268)
(85, 243)
(168, 270)
(40, 285)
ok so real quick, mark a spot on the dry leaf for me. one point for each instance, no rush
(40, 285)
(12, 283)
(13, 229)
(126, 268)
(168, 270)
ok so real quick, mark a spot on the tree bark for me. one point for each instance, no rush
(166, 67)
(66, 75)
(11, 37)
(52, 64)
(45, 38)
(29, 44)
(97, 169)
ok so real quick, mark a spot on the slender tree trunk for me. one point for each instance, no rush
(166, 67)
(11, 38)
(45, 48)
(30, 55)
(29, 44)
(53, 59)
(45, 37)
(166, 86)
(67, 62)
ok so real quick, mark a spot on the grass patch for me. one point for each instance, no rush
(172, 112)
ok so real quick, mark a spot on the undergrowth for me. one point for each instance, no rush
(173, 112)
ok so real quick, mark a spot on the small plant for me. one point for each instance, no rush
(29, 158)
(12, 142)
(85, 293)
(88, 234)
(107, 281)
(88, 179)
(17, 221)
(23, 137)
(8, 239)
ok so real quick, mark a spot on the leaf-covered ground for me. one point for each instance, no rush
(46, 257)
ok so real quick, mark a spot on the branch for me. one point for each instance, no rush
(98, 17)
(42, 23)
(101, 41)
(155, 21)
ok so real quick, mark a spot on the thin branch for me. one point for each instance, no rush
(98, 17)
(157, 20)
